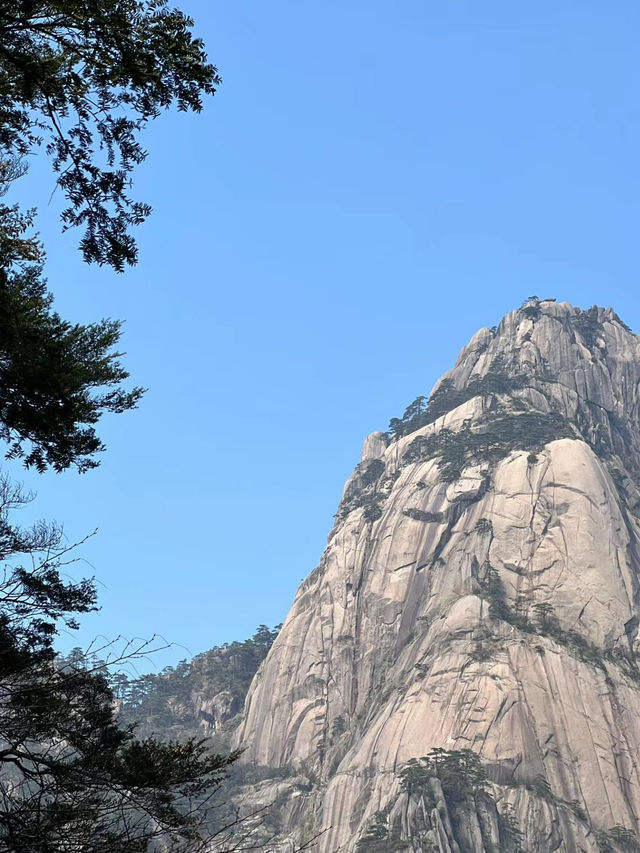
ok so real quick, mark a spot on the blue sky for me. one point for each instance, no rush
(373, 182)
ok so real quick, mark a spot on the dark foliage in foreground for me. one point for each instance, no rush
(56, 378)
(70, 776)
(84, 77)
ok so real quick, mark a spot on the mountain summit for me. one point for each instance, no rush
(459, 674)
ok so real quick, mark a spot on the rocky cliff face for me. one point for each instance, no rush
(479, 595)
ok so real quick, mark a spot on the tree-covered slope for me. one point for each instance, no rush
(199, 697)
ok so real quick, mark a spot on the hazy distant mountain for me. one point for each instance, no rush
(201, 697)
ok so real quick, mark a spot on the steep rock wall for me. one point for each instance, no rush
(479, 591)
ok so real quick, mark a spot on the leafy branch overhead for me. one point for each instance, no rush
(83, 78)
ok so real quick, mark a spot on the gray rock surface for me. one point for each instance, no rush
(480, 590)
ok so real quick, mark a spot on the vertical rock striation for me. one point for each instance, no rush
(479, 594)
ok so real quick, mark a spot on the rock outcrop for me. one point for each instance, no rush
(479, 595)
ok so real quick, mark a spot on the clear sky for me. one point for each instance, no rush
(373, 182)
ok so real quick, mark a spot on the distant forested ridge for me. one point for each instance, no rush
(197, 697)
